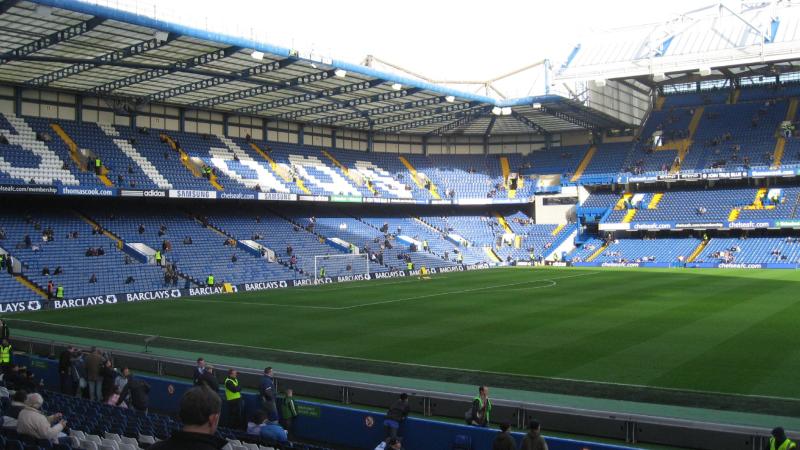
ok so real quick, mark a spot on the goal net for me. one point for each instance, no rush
(340, 265)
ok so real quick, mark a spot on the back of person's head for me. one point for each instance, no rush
(259, 417)
(34, 400)
(403, 396)
(393, 443)
(505, 426)
(200, 406)
(20, 395)
(534, 425)
(779, 434)
(267, 370)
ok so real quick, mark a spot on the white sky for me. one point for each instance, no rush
(439, 39)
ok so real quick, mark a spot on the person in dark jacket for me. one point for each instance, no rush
(209, 379)
(109, 376)
(503, 440)
(396, 415)
(65, 372)
(199, 411)
(4, 330)
(533, 440)
(267, 391)
(139, 392)
(198, 371)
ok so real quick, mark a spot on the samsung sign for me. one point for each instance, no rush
(189, 193)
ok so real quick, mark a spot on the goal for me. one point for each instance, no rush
(341, 265)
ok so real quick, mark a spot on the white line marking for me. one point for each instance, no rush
(428, 366)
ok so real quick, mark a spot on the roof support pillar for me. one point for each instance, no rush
(17, 101)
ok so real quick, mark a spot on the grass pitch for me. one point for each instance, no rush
(721, 331)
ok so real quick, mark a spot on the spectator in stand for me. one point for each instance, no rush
(397, 413)
(267, 430)
(121, 381)
(199, 370)
(93, 279)
(32, 421)
(65, 373)
(209, 379)
(141, 228)
(504, 440)
(533, 440)
(5, 332)
(139, 392)
(11, 414)
(288, 411)
(93, 362)
(109, 376)
(267, 391)
(199, 411)
(390, 444)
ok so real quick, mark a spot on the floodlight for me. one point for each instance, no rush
(397, 86)
(537, 106)
(161, 36)
(506, 111)
(497, 110)
(257, 55)
(659, 77)
(341, 73)
(450, 99)
(705, 71)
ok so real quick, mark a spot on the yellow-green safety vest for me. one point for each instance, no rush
(230, 395)
(210, 280)
(97, 162)
(5, 354)
(60, 292)
(787, 444)
(488, 407)
(410, 266)
(158, 255)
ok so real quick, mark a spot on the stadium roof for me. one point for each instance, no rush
(715, 40)
(136, 59)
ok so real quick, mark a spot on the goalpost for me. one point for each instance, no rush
(337, 264)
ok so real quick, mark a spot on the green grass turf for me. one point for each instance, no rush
(726, 331)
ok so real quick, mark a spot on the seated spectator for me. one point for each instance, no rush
(32, 421)
(93, 279)
(58, 271)
(187, 240)
(234, 258)
(130, 279)
(199, 411)
(141, 228)
(11, 414)
(270, 432)
(45, 271)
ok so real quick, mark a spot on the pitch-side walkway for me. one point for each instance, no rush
(411, 384)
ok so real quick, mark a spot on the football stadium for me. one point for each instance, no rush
(210, 241)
